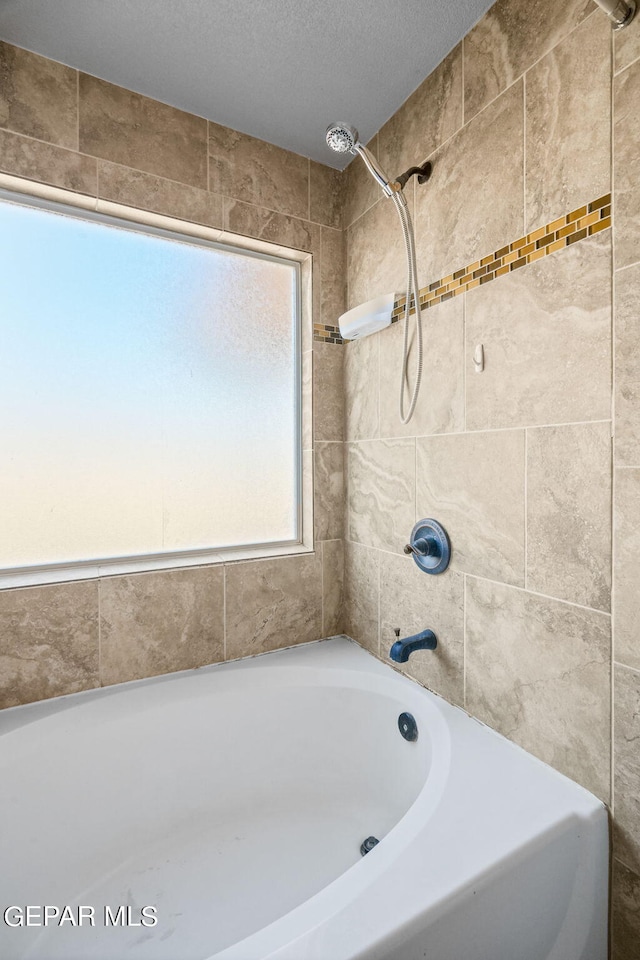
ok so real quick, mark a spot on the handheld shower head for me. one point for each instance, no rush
(341, 137)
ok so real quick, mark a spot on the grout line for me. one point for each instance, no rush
(524, 152)
(78, 109)
(322, 617)
(464, 641)
(99, 631)
(461, 433)
(526, 512)
(462, 59)
(616, 466)
(627, 266)
(617, 73)
(536, 593)
(224, 611)
(625, 666)
(464, 363)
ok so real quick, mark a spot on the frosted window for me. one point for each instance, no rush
(148, 393)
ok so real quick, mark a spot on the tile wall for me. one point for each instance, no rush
(530, 123)
(70, 130)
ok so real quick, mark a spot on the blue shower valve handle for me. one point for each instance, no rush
(429, 546)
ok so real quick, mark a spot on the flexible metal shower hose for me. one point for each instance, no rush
(412, 293)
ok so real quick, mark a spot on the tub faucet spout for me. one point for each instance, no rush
(402, 649)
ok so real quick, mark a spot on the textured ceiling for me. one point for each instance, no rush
(280, 70)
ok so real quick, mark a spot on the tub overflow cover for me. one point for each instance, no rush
(368, 845)
(407, 726)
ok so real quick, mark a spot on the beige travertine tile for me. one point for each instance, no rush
(154, 623)
(568, 106)
(326, 195)
(626, 165)
(127, 128)
(47, 163)
(273, 603)
(626, 765)
(627, 366)
(333, 276)
(252, 221)
(538, 671)
(626, 519)
(361, 388)
(569, 513)
(361, 591)
(376, 259)
(440, 405)
(473, 484)
(511, 36)
(548, 360)
(48, 641)
(360, 189)
(381, 492)
(173, 199)
(625, 919)
(626, 46)
(328, 509)
(328, 386)
(414, 601)
(332, 587)
(38, 97)
(473, 204)
(245, 168)
(425, 120)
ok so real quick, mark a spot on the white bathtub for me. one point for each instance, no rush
(234, 799)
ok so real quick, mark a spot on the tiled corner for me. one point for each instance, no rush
(361, 388)
(440, 404)
(626, 766)
(425, 120)
(626, 164)
(272, 603)
(381, 492)
(538, 671)
(48, 641)
(46, 163)
(252, 170)
(625, 920)
(568, 104)
(332, 277)
(569, 513)
(626, 534)
(328, 508)
(328, 386)
(155, 623)
(168, 197)
(412, 601)
(361, 594)
(549, 360)
(473, 484)
(332, 588)
(627, 366)
(326, 195)
(127, 128)
(38, 97)
(510, 37)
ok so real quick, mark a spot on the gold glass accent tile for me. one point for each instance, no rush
(576, 214)
(600, 225)
(604, 201)
(536, 255)
(588, 220)
(540, 232)
(565, 231)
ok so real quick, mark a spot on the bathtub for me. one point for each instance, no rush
(219, 813)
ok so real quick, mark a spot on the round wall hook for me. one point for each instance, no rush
(429, 545)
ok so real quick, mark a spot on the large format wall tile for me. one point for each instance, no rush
(627, 366)
(473, 484)
(426, 119)
(626, 166)
(332, 276)
(538, 670)
(48, 641)
(413, 601)
(625, 918)
(328, 386)
(546, 331)
(569, 513)
(133, 130)
(168, 197)
(332, 587)
(273, 603)
(252, 170)
(376, 259)
(626, 766)
(440, 404)
(326, 195)
(361, 388)
(381, 492)
(473, 204)
(46, 163)
(38, 97)
(263, 224)
(508, 40)
(155, 623)
(568, 105)
(626, 513)
(361, 594)
(328, 509)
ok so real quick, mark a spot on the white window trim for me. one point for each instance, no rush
(28, 192)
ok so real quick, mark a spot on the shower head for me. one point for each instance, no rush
(341, 137)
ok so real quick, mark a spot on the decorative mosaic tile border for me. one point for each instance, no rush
(583, 222)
